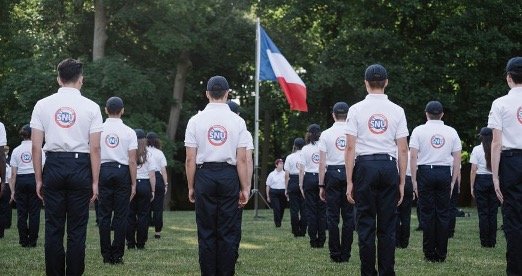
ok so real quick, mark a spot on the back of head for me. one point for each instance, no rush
(25, 132)
(313, 133)
(514, 69)
(217, 86)
(376, 75)
(114, 105)
(434, 110)
(141, 153)
(340, 110)
(70, 70)
(153, 140)
(234, 107)
(298, 143)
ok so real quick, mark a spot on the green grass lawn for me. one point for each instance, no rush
(265, 250)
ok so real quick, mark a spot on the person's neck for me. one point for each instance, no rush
(376, 91)
(278, 170)
(114, 116)
(223, 101)
(76, 86)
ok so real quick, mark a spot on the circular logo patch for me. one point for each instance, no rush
(378, 124)
(519, 115)
(315, 158)
(65, 117)
(26, 157)
(112, 140)
(340, 143)
(437, 141)
(217, 135)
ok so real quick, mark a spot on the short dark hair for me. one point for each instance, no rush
(516, 77)
(70, 70)
(340, 116)
(216, 95)
(377, 84)
(153, 140)
(434, 116)
(25, 132)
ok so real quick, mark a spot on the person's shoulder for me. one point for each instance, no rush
(90, 103)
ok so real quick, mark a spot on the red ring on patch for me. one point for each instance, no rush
(217, 135)
(378, 124)
(65, 117)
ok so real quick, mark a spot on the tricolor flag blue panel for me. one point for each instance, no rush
(274, 66)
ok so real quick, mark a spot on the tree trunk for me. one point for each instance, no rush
(182, 69)
(100, 30)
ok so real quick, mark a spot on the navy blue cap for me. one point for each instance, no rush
(299, 142)
(485, 131)
(375, 72)
(434, 107)
(340, 108)
(313, 128)
(234, 107)
(217, 83)
(514, 65)
(140, 134)
(152, 135)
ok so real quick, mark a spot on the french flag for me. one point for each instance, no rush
(274, 66)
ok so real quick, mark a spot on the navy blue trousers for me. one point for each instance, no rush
(337, 205)
(487, 208)
(510, 175)
(404, 216)
(218, 218)
(5, 210)
(157, 203)
(278, 203)
(113, 206)
(376, 186)
(297, 207)
(28, 207)
(67, 187)
(434, 196)
(315, 210)
(138, 218)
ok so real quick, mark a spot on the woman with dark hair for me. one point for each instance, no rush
(309, 184)
(293, 193)
(23, 187)
(138, 221)
(160, 165)
(482, 188)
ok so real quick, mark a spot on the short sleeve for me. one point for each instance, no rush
(133, 141)
(322, 143)
(36, 122)
(351, 122)
(244, 141)
(97, 121)
(3, 135)
(286, 166)
(14, 161)
(457, 144)
(250, 141)
(495, 116)
(473, 156)
(162, 159)
(414, 139)
(402, 128)
(190, 134)
(269, 180)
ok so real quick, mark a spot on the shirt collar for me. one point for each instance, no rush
(26, 141)
(376, 97)
(515, 90)
(437, 122)
(69, 90)
(217, 106)
(339, 123)
(113, 120)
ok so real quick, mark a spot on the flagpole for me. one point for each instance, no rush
(256, 123)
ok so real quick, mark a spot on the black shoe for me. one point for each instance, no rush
(117, 261)
(107, 260)
(157, 236)
(418, 229)
(131, 246)
(140, 247)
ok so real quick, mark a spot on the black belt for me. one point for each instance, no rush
(143, 179)
(375, 157)
(113, 165)
(511, 152)
(60, 154)
(312, 173)
(421, 167)
(214, 165)
(335, 167)
(293, 175)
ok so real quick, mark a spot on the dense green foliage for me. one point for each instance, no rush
(264, 250)
(453, 51)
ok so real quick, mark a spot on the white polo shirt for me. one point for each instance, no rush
(293, 162)
(216, 132)
(377, 123)
(116, 140)
(478, 157)
(22, 158)
(506, 115)
(435, 142)
(276, 180)
(145, 168)
(333, 142)
(160, 161)
(3, 135)
(67, 118)
(310, 158)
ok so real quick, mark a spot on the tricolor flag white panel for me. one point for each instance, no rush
(274, 66)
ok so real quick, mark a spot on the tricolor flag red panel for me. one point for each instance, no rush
(274, 66)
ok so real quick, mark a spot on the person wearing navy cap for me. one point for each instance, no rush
(435, 164)
(482, 188)
(71, 125)
(23, 185)
(117, 180)
(505, 118)
(293, 192)
(217, 178)
(332, 185)
(309, 184)
(378, 127)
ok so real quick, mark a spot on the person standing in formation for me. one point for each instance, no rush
(117, 181)
(309, 184)
(482, 188)
(332, 185)
(162, 184)
(378, 127)
(435, 164)
(275, 191)
(217, 178)
(23, 185)
(71, 125)
(138, 219)
(293, 193)
(505, 118)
